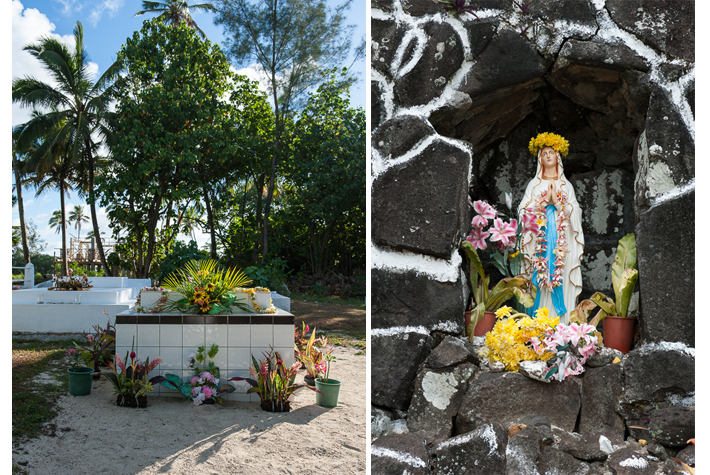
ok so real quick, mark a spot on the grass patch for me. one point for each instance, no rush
(354, 303)
(33, 402)
(357, 341)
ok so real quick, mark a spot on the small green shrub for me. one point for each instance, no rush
(271, 274)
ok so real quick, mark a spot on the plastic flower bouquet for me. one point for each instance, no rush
(571, 346)
(203, 387)
(509, 341)
(206, 288)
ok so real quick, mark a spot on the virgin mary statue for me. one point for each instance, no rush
(553, 242)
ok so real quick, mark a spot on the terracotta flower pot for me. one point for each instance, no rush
(618, 332)
(484, 326)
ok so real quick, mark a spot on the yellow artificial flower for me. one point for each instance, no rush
(549, 139)
(510, 256)
(542, 312)
(507, 342)
(504, 311)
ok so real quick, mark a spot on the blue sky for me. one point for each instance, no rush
(107, 24)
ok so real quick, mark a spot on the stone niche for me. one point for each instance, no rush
(455, 102)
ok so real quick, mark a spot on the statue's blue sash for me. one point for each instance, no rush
(557, 292)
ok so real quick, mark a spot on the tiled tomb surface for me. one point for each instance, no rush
(173, 337)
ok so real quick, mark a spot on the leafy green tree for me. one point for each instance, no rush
(176, 130)
(35, 244)
(78, 109)
(294, 42)
(328, 170)
(174, 12)
(77, 217)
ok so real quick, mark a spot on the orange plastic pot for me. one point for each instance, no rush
(484, 326)
(618, 332)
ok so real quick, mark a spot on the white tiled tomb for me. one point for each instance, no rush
(173, 337)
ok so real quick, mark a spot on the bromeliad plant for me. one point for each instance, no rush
(571, 346)
(490, 300)
(97, 344)
(130, 378)
(312, 357)
(207, 289)
(329, 358)
(272, 381)
(623, 278)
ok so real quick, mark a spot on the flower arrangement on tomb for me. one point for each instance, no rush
(71, 283)
(203, 387)
(509, 341)
(206, 288)
(251, 295)
(159, 304)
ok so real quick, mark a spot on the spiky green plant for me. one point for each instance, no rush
(206, 288)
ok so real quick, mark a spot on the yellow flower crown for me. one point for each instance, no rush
(548, 139)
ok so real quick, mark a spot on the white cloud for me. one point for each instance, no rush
(69, 6)
(28, 24)
(106, 6)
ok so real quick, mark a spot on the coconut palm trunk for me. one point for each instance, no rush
(94, 220)
(21, 208)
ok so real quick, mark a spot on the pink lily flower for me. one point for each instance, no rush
(502, 232)
(485, 210)
(478, 238)
(530, 223)
(479, 221)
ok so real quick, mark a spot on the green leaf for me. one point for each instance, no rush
(625, 258)
(476, 316)
(626, 289)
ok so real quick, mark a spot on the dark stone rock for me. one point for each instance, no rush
(558, 402)
(673, 426)
(409, 299)
(667, 25)
(399, 356)
(434, 184)
(452, 110)
(555, 461)
(598, 54)
(633, 461)
(384, 5)
(378, 111)
(479, 35)
(687, 455)
(588, 86)
(657, 450)
(436, 399)
(418, 8)
(506, 61)
(386, 39)
(602, 357)
(655, 370)
(580, 12)
(400, 134)
(450, 352)
(541, 426)
(666, 151)
(380, 421)
(478, 451)
(607, 204)
(690, 95)
(586, 447)
(399, 453)
(441, 57)
(602, 390)
(666, 282)
(522, 451)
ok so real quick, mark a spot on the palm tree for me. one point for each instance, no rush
(56, 222)
(77, 216)
(22, 231)
(78, 109)
(176, 12)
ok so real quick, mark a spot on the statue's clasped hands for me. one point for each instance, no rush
(551, 194)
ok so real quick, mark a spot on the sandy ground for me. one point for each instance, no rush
(92, 435)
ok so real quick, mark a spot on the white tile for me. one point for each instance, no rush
(150, 352)
(239, 335)
(240, 397)
(283, 336)
(221, 359)
(125, 333)
(147, 335)
(262, 335)
(238, 359)
(216, 334)
(287, 355)
(170, 335)
(193, 335)
(172, 358)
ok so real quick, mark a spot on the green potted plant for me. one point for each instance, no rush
(328, 389)
(482, 316)
(273, 382)
(130, 379)
(312, 358)
(617, 327)
(80, 377)
(96, 349)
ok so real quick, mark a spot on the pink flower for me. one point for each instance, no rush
(207, 391)
(501, 232)
(154, 363)
(120, 363)
(193, 381)
(530, 223)
(479, 221)
(133, 355)
(478, 238)
(90, 339)
(485, 210)
(196, 390)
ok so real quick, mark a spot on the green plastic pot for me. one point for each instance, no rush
(330, 392)
(80, 379)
